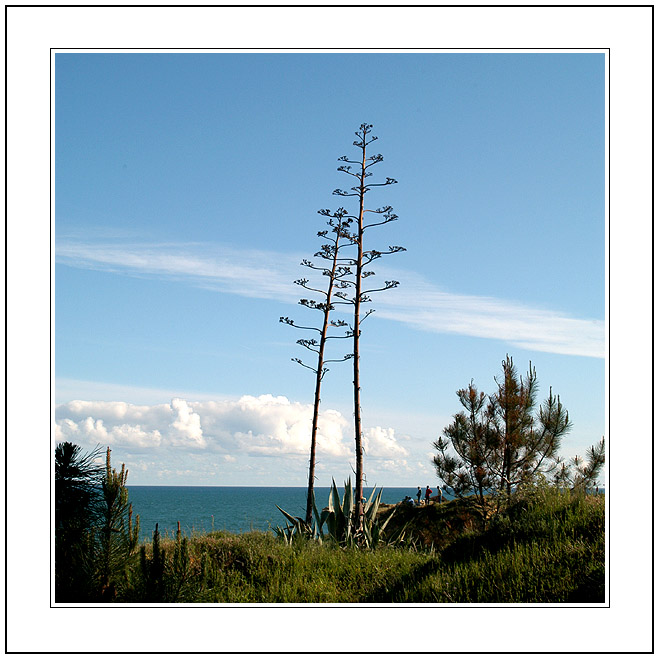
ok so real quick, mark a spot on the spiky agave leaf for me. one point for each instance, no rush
(319, 519)
(334, 503)
(315, 511)
(332, 520)
(371, 497)
(331, 523)
(340, 518)
(383, 525)
(347, 507)
(299, 525)
(369, 504)
(286, 534)
(369, 540)
(292, 519)
(372, 509)
(371, 523)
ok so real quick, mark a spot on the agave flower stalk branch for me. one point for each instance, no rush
(330, 252)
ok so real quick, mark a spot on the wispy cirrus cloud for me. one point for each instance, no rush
(431, 309)
(252, 273)
(417, 302)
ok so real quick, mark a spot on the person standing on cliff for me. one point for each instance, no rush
(427, 496)
(419, 494)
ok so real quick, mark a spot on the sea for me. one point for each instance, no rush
(202, 509)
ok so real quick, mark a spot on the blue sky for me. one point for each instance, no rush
(187, 187)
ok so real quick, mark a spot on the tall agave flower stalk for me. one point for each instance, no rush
(359, 267)
(329, 252)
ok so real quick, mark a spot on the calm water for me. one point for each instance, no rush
(232, 508)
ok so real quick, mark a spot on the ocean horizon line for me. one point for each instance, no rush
(129, 486)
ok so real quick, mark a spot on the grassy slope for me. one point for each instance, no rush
(547, 548)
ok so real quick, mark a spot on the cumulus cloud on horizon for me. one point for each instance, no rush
(417, 302)
(262, 426)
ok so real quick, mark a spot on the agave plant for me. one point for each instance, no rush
(297, 527)
(338, 518)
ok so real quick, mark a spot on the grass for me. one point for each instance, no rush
(259, 568)
(547, 547)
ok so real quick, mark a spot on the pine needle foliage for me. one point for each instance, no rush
(502, 441)
(118, 536)
(579, 474)
(153, 570)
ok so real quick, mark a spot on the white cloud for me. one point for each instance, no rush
(94, 431)
(265, 425)
(251, 273)
(187, 426)
(271, 425)
(425, 306)
(382, 443)
(417, 302)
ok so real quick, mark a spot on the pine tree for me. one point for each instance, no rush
(474, 444)
(501, 442)
(118, 538)
(579, 474)
(153, 570)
